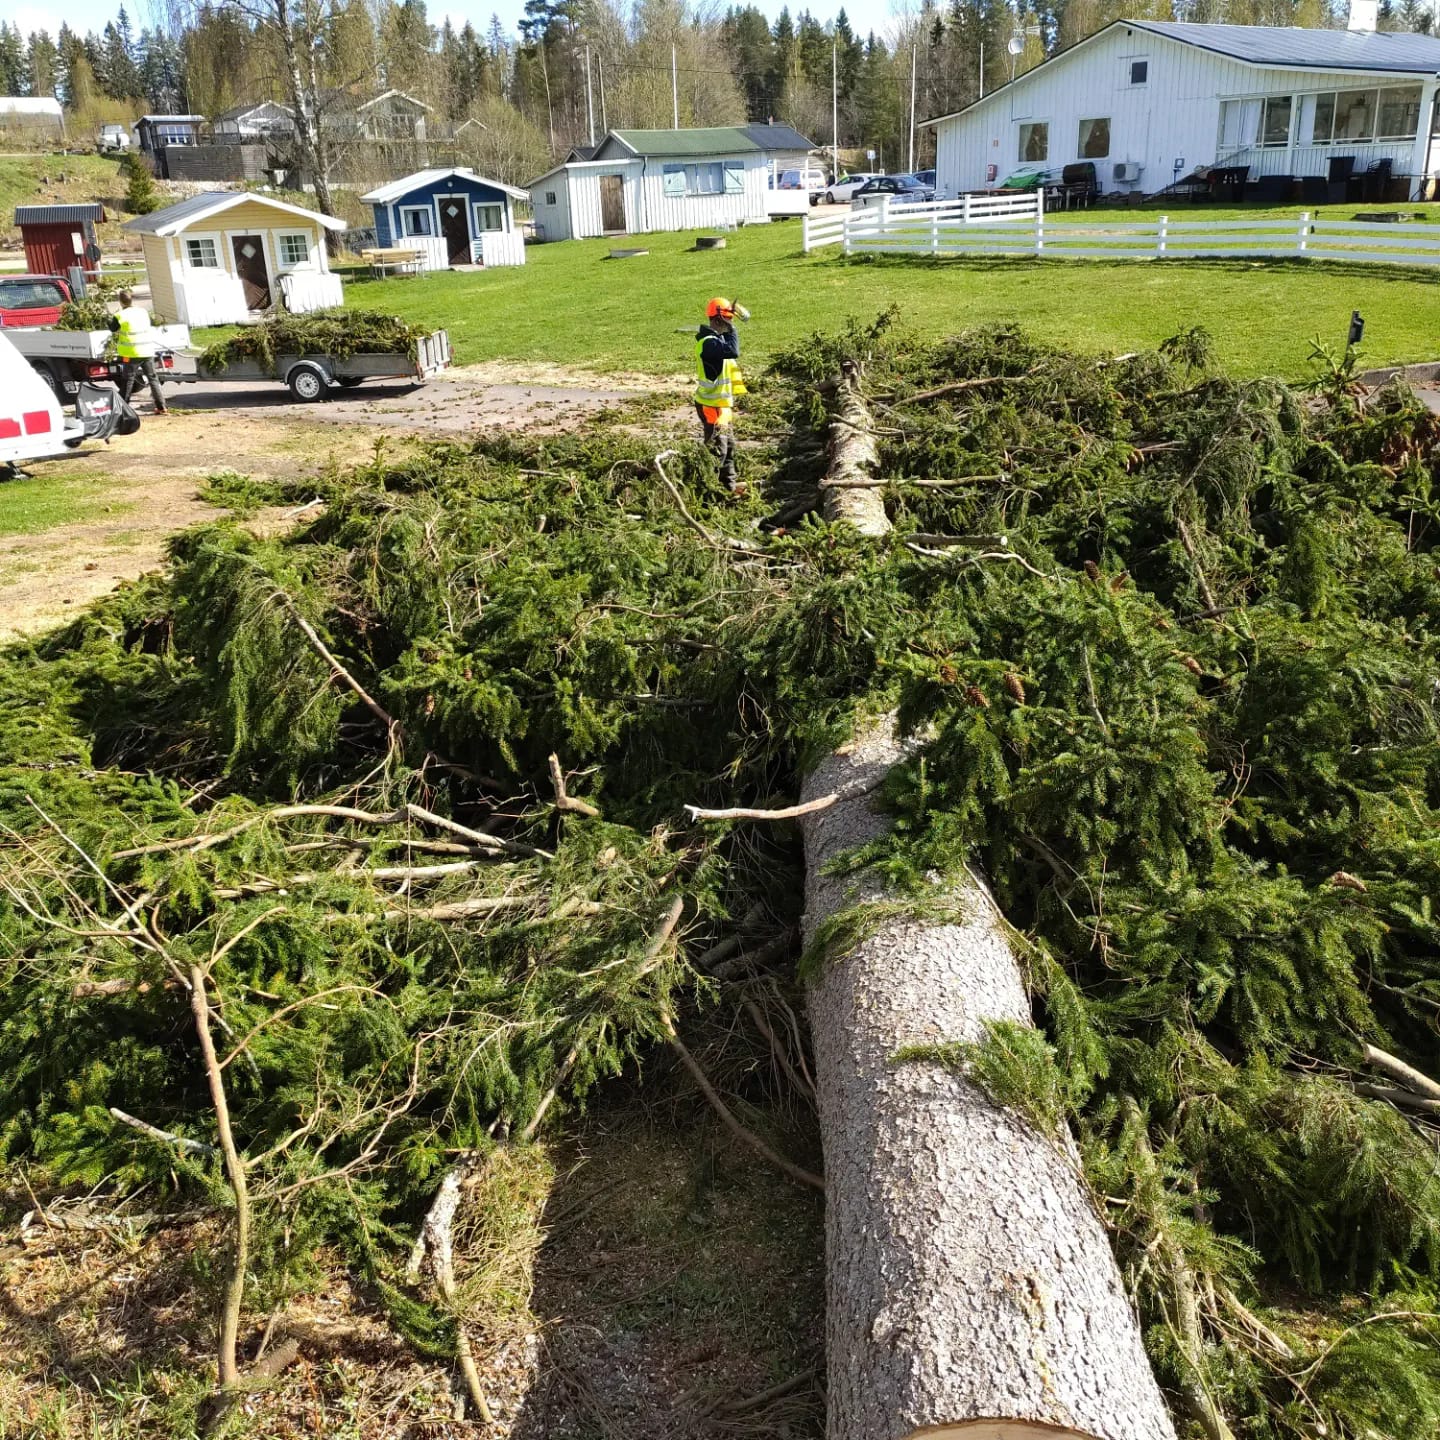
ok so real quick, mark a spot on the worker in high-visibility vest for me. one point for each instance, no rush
(135, 344)
(719, 382)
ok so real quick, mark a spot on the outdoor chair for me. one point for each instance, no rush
(1376, 181)
(1314, 189)
(1272, 189)
(1342, 167)
(1227, 183)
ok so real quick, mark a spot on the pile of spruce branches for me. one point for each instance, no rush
(339, 334)
(1167, 640)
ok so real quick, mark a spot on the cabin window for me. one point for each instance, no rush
(1275, 125)
(202, 253)
(709, 179)
(549, 197)
(1094, 139)
(417, 220)
(1139, 72)
(1035, 140)
(489, 217)
(295, 249)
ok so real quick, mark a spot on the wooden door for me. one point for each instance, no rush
(612, 204)
(254, 274)
(455, 227)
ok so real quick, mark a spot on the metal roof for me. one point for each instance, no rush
(30, 105)
(422, 179)
(705, 140)
(180, 216)
(1293, 48)
(58, 214)
(778, 137)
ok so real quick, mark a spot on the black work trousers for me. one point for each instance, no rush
(145, 366)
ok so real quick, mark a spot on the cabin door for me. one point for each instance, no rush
(251, 269)
(612, 204)
(455, 227)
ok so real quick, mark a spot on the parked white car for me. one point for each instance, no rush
(842, 191)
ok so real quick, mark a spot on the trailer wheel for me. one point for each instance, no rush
(307, 383)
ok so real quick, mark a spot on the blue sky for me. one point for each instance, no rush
(95, 14)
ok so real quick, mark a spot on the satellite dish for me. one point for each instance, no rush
(1016, 45)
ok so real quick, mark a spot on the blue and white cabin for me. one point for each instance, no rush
(451, 217)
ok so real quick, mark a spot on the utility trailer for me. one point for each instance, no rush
(66, 359)
(312, 377)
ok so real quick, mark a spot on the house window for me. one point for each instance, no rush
(203, 254)
(417, 220)
(294, 249)
(1355, 115)
(549, 197)
(1139, 72)
(489, 217)
(1035, 140)
(1094, 139)
(1346, 116)
(1275, 125)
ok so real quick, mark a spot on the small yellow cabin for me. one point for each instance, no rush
(225, 256)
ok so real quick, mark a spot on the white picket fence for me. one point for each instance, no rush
(897, 231)
(865, 222)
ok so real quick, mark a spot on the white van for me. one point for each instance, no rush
(113, 140)
(32, 424)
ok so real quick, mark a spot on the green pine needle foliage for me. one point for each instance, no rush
(1191, 741)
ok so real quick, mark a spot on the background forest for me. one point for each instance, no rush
(529, 88)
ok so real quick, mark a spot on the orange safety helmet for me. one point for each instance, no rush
(720, 306)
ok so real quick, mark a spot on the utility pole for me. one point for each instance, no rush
(589, 98)
(604, 121)
(675, 86)
(835, 110)
(914, 54)
(982, 69)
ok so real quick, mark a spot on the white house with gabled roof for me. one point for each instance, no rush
(1149, 102)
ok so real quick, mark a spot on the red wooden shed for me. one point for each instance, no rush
(59, 236)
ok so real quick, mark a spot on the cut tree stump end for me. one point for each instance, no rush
(709, 242)
(627, 254)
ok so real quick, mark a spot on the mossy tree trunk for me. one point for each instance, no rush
(971, 1286)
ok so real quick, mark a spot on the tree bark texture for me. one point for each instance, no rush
(971, 1286)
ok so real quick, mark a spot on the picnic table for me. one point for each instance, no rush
(392, 260)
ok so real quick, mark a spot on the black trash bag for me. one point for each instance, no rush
(104, 412)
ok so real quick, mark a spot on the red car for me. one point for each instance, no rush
(31, 299)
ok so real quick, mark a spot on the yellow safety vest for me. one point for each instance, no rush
(719, 393)
(134, 340)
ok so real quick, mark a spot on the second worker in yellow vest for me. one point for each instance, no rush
(135, 344)
(718, 383)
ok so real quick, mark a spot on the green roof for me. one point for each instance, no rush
(711, 140)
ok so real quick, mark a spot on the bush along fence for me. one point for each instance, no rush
(937, 230)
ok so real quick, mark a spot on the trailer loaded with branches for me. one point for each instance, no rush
(1080, 712)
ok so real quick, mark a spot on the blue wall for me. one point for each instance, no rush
(425, 195)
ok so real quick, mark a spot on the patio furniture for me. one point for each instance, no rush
(1342, 167)
(1314, 189)
(1376, 181)
(1227, 183)
(1272, 189)
(386, 260)
(1078, 186)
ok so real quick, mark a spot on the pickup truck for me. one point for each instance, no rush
(64, 359)
(31, 299)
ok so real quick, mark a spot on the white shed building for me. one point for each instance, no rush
(1150, 102)
(645, 180)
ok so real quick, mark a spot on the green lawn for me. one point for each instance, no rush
(570, 304)
(52, 495)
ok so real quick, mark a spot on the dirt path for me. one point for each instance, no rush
(142, 488)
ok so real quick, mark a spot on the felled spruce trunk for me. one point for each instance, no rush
(971, 1287)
